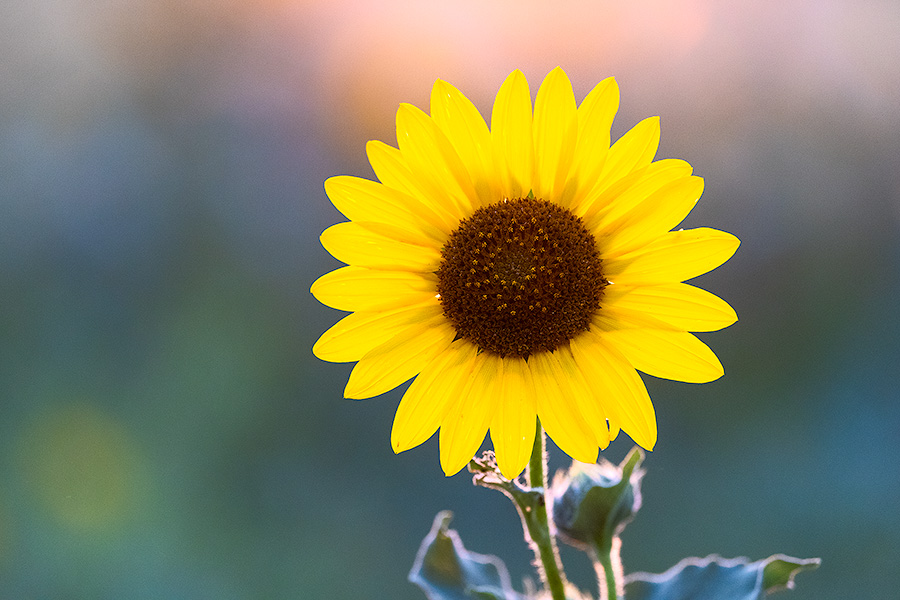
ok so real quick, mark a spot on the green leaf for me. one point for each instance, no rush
(779, 571)
(592, 503)
(717, 578)
(445, 570)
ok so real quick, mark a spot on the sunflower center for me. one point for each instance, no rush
(519, 277)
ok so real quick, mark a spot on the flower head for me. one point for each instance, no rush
(526, 270)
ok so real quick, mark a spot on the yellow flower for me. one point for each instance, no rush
(526, 270)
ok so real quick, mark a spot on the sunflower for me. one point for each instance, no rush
(527, 270)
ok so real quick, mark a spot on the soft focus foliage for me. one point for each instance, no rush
(714, 578)
(591, 506)
(161, 199)
(445, 570)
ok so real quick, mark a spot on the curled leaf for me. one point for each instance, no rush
(717, 578)
(445, 570)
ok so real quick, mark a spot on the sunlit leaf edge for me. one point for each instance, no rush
(766, 579)
(481, 576)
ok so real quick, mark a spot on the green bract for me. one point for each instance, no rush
(593, 503)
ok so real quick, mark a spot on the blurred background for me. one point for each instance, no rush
(165, 431)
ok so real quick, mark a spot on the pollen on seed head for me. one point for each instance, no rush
(553, 251)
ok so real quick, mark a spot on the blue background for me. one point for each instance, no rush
(165, 431)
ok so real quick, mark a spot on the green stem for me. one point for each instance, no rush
(535, 519)
(609, 570)
(531, 504)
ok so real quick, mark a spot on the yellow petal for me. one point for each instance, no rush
(430, 395)
(614, 429)
(678, 304)
(431, 158)
(601, 209)
(400, 358)
(610, 373)
(558, 412)
(632, 151)
(595, 117)
(658, 213)
(469, 135)
(356, 288)
(466, 422)
(356, 334)
(555, 130)
(360, 245)
(612, 317)
(363, 200)
(667, 354)
(392, 170)
(511, 134)
(413, 235)
(675, 256)
(589, 404)
(515, 418)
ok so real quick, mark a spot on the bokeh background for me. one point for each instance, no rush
(166, 433)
